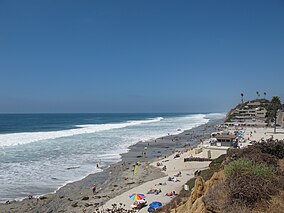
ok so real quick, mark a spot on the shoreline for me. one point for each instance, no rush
(64, 199)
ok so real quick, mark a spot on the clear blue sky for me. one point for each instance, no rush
(138, 55)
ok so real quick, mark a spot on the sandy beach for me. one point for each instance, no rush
(252, 134)
(174, 166)
(118, 179)
(256, 134)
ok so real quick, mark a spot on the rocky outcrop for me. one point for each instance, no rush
(195, 203)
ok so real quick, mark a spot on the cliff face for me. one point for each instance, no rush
(212, 196)
(195, 203)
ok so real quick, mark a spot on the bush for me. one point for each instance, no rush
(262, 170)
(237, 207)
(216, 164)
(262, 158)
(238, 166)
(249, 189)
(275, 148)
(253, 153)
(244, 166)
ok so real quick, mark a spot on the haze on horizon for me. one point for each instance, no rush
(138, 56)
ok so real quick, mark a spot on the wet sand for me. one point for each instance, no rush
(114, 180)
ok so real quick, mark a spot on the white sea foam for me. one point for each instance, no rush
(216, 115)
(29, 137)
(27, 168)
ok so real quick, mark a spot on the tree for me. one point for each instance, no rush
(242, 95)
(273, 108)
(257, 93)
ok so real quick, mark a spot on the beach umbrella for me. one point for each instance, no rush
(155, 204)
(136, 196)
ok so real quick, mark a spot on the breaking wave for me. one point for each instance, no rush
(29, 137)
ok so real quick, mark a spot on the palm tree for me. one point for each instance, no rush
(264, 95)
(257, 93)
(242, 95)
(273, 108)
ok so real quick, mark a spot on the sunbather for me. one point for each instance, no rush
(151, 191)
(173, 179)
(154, 191)
(178, 174)
(170, 194)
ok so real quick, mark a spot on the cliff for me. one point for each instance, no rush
(195, 203)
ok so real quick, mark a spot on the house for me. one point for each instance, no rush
(225, 139)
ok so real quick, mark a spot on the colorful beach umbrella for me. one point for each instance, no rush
(136, 196)
(155, 204)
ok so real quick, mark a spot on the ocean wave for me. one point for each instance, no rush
(216, 115)
(32, 167)
(13, 139)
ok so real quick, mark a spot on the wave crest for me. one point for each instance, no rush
(13, 139)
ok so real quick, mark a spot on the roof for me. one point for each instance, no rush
(230, 136)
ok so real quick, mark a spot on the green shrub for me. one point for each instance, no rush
(244, 166)
(265, 171)
(238, 166)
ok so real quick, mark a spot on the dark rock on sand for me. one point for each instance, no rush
(75, 204)
(42, 197)
(85, 198)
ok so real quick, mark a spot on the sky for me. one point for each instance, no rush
(138, 55)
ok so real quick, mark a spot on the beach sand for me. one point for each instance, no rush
(174, 166)
(265, 133)
(259, 133)
(118, 178)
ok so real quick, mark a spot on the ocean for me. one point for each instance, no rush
(40, 153)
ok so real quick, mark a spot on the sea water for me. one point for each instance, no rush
(41, 152)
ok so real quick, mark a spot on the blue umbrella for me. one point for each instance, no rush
(155, 205)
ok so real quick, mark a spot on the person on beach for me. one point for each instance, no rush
(178, 174)
(94, 188)
(170, 194)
